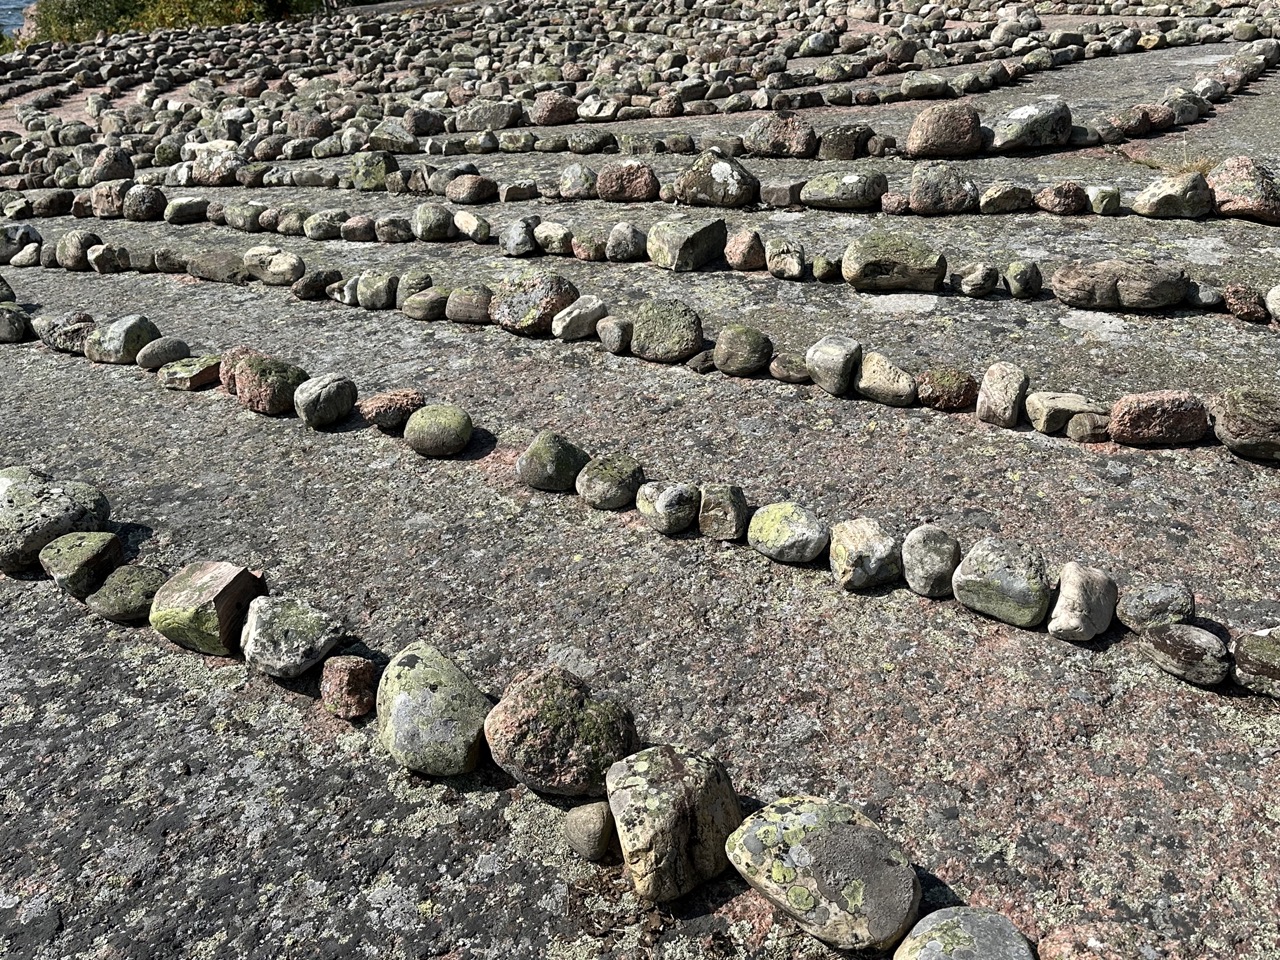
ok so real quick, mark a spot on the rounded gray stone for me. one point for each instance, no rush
(438, 430)
(159, 352)
(324, 401)
(610, 482)
(930, 556)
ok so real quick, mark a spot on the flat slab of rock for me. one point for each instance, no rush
(193, 373)
(1050, 412)
(550, 733)
(203, 605)
(80, 562)
(1119, 284)
(883, 261)
(674, 810)
(831, 868)
(430, 714)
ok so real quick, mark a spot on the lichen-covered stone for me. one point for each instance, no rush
(674, 810)
(1155, 604)
(550, 733)
(430, 714)
(35, 510)
(830, 868)
(610, 482)
(438, 430)
(551, 462)
(666, 331)
(669, 508)
(1247, 422)
(126, 595)
(120, 341)
(716, 180)
(529, 303)
(285, 636)
(723, 513)
(1256, 663)
(324, 401)
(203, 605)
(80, 562)
(266, 385)
(348, 686)
(864, 555)
(930, 556)
(964, 933)
(884, 261)
(742, 351)
(788, 533)
(193, 373)
(1004, 579)
(684, 245)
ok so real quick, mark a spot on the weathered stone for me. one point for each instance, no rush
(788, 533)
(610, 482)
(742, 351)
(590, 830)
(930, 556)
(864, 555)
(80, 562)
(550, 733)
(939, 188)
(202, 606)
(528, 304)
(551, 462)
(430, 714)
(1034, 126)
(964, 933)
(833, 363)
(1159, 418)
(120, 341)
(1022, 279)
(438, 430)
(1000, 398)
(193, 373)
(1246, 421)
(683, 245)
(615, 334)
(1086, 603)
(161, 351)
(723, 513)
(469, 304)
(1004, 579)
(626, 243)
(674, 811)
(1244, 187)
(844, 191)
(884, 261)
(1154, 605)
(831, 869)
(745, 250)
(627, 181)
(273, 266)
(369, 171)
(1188, 653)
(879, 379)
(780, 135)
(1245, 303)
(945, 130)
(1049, 411)
(1256, 663)
(1116, 284)
(716, 180)
(667, 507)
(35, 510)
(324, 401)
(1064, 199)
(1004, 197)
(284, 636)
(666, 331)
(348, 686)
(266, 385)
(578, 320)
(126, 595)
(1184, 196)
(946, 388)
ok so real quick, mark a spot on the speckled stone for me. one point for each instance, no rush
(324, 401)
(551, 462)
(788, 533)
(35, 510)
(266, 385)
(665, 331)
(120, 341)
(203, 605)
(348, 686)
(1086, 603)
(430, 714)
(1256, 663)
(590, 830)
(864, 555)
(1187, 652)
(964, 933)
(723, 513)
(285, 636)
(831, 869)
(833, 363)
(1247, 422)
(610, 482)
(193, 373)
(126, 595)
(390, 410)
(79, 563)
(550, 733)
(1004, 579)
(1155, 604)
(529, 303)
(1004, 386)
(675, 809)
(669, 507)
(930, 556)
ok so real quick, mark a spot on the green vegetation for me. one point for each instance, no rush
(73, 20)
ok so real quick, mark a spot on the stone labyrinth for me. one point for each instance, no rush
(662, 479)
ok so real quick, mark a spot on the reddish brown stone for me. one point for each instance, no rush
(627, 181)
(745, 250)
(1245, 303)
(266, 385)
(1066, 199)
(230, 360)
(897, 204)
(390, 410)
(551, 109)
(946, 388)
(1243, 187)
(1160, 418)
(349, 686)
(945, 130)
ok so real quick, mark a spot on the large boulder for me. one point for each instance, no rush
(945, 130)
(1119, 284)
(1035, 126)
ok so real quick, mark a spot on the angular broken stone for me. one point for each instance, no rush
(684, 245)
(1000, 398)
(864, 555)
(833, 363)
(668, 507)
(723, 513)
(1085, 606)
(430, 714)
(324, 401)
(674, 810)
(79, 563)
(885, 261)
(285, 636)
(348, 686)
(1004, 579)
(1049, 412)
(1119, 284)
(193, 373)
(550, 733)
(831, 869)
(1159, 418)
(610, 482)
(203, 605)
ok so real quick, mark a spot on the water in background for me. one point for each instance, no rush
(11, 14)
